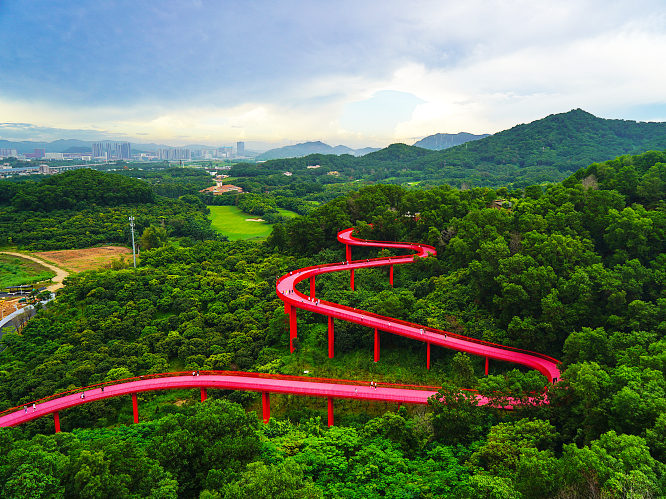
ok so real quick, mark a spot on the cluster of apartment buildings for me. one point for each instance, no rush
(106, 151)
(111, 150)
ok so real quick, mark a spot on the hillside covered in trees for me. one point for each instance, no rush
(82, 208)
(546, 150)
(575, 270)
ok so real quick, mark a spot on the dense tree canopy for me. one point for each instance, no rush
(574, 270)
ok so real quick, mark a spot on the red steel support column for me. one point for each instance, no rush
(293, 328)
(56, 420)
(312, 287)
(204, 394)
(135, 408)
(486, 366)
(331, 335)
(266, 405)
(428, 361)
(391, 276)
(348, 252)
(352, 279)
(330, 411)
(376, 345)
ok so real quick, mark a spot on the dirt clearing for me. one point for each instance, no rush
(79, 260)
(8, 306)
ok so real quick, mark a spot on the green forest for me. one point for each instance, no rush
(575, 270)
(83, 208)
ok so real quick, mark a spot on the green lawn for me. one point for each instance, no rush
(231, 222)
(287, 213)
(15, 271)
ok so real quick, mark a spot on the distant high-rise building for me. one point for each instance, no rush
(97, 149)
(109, 150)
(174, 154)
(240, 149)
(123, 150)
(8, 152)
(225, 151)
(39, 153)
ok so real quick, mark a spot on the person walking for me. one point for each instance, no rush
(26, 409)
(34, 407)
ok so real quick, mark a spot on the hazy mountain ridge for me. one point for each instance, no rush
(545, 150)
(440, 141)
(316, 147)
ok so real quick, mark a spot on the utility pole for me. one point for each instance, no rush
(131, 221)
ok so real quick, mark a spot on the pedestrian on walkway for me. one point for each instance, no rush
(26, 408)
(34, 407)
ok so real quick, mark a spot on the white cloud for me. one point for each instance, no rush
(264, 70)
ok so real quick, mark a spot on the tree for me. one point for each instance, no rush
(153, 237)
(207, 448)
(457, 418)
(462, 371)
(279, 481)
(506, 442)
(278, 237)
(613, 466)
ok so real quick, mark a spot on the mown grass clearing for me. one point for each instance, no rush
(287, 213)
(15, 271)
(233, 223)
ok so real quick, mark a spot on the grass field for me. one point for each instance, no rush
(232, 222)
(15, 271)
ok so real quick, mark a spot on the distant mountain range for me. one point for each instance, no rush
(298, 150)
(441, 141)
(546, 150)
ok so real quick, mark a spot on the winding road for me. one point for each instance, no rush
(60, 273)
(299, 385)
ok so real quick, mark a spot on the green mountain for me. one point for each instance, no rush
(546, 150)
(561, 142)
(440, 141)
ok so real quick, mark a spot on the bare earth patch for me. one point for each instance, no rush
(7, 307)
(79, 260)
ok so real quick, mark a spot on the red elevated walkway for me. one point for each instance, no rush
(297, 385)
(294, 300)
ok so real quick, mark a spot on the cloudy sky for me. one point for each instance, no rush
(359, 73)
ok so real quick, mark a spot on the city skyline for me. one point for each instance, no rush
(355, 73)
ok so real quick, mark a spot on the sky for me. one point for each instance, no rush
(359, 73)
